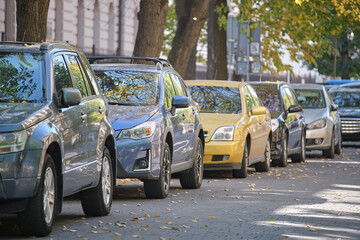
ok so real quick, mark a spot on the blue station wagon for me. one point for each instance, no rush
(157, 125)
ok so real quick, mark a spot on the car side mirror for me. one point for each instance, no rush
(294, 108)
(70, 97)
(258, 110)
(334, 107)
(179, 102)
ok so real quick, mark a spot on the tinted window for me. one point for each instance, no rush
(61, 74)
(78, 76)
(286, 99)
(249, 100)
(21, 77)
(257, 101)
(213, 99)
(310, 98)
(128, 87)
(291, 95)
(169, 91)
(346, 99)
(269, 96)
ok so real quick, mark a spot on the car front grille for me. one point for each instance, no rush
(350, 125)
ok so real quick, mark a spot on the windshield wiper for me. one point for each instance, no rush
(124, 103)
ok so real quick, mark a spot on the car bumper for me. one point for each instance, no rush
(319, 139)
(221, 155)
(350, 128)
(15, 185)
(130, 154)
(276, 143)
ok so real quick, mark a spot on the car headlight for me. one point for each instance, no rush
(317, 124)
(12, 142)
(143, 130)
(274, 124)
(224, 134)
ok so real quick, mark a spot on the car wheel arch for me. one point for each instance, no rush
(110, 145)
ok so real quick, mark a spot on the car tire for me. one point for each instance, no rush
(296, 158)
(38, 218)
(338, 145)
(242, 173)
(282, 161)
(192, 178)
(97, 201)
(265, 166)
(330, 153)
(160, 187)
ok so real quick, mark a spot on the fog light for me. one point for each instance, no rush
(318, 141)
(143, 163)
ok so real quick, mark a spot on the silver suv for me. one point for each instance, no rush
(55, 139)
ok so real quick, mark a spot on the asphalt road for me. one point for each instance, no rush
(318, 199)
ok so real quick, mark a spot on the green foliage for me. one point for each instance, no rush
(300, 27)
(221, 11)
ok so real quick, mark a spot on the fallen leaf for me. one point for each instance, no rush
(296, 199)
(117, 234)
(155, 215)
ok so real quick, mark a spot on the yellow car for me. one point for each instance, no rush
(236, 125)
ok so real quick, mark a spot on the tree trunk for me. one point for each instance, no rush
(211, 60)
(31, 17)
(191, 68)
(150, 35)
(191, 17)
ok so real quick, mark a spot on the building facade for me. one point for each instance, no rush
(98, 27)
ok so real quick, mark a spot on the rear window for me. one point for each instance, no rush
(21, 77)
(310, 98)
(269, 96)
(346, 99)
(213, 99)
(129, 87)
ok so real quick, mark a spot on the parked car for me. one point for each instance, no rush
(354, 84)
(321, 117)
(157, 125)
(288, 123)
(348, 100)
(336, 83)
(237, 126)
(55, 139)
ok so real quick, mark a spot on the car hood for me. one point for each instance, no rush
(19, 116)
(349, 112)
(311, 115)
(212, 121)
(124, 117)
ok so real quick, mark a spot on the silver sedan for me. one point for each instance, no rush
(321, 117)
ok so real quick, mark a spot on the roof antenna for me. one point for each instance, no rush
(24, 36)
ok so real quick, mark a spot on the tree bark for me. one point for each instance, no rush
(191, 67)
(150, 35)
(217, 53)
(191, 17)
(31, 17)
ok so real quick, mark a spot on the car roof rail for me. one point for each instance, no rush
(160, 62)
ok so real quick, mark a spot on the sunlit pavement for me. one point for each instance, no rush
(318, 199)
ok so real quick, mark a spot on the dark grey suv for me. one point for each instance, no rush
(55, 139)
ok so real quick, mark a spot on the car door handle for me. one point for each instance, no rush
(183, 116)
(83, 116)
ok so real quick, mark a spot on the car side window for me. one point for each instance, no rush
(292, 96)
(255, 97)
(249, 100)
(180, 89)
(328, 98)
(89, 73)
(286, 99)
(78, 76)
(169, 91)
(61, 74)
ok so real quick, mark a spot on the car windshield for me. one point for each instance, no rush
(212, 99)
(21, 77)
(346, 99)
(129, 87)
(310, 98)
(269, 96)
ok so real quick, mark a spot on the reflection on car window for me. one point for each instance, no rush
(178, 86)
(78, 76)
(21, 77)
(169, 91)
(269, 96)
(249, 100)
(346, 99)
(129, 87)
(61, 74)
(254, 96)
(212, 99)
(310, 98)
